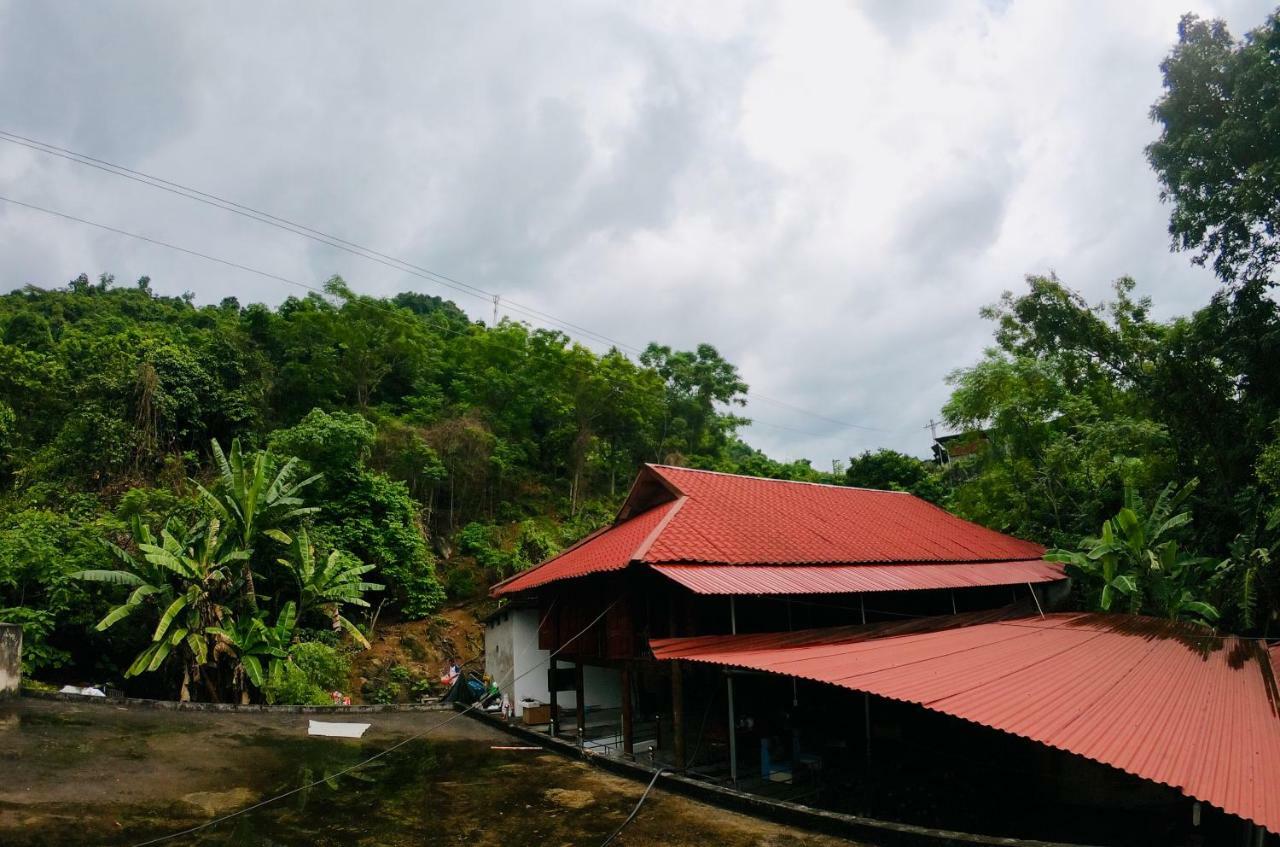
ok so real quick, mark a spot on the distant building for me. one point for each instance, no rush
(958, 445)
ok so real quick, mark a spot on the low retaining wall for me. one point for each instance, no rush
(887, 833)
(175, 706)
(10, 659)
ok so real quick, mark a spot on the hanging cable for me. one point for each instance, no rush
(370, 254)
(659, 772)
(329, 777)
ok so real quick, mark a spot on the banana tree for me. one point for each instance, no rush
(256, 498)
(1133, 559)
(186, 575)
(256, 648)
(329, 584)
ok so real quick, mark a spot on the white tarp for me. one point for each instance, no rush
(336, 730)
(90, 691)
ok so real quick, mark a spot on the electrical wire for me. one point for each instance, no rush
(370, 254)
(395, 314)
(659, 772)
(375, 756)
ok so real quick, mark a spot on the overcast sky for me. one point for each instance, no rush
(827, 192)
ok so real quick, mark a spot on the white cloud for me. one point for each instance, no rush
(825, 191)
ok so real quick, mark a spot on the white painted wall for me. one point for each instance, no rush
(511, 649)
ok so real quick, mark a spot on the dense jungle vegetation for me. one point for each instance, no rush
(211, 499)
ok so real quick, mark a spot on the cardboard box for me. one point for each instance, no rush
(535, 715)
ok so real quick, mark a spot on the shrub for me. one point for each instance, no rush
(293, 687)
(322, 665)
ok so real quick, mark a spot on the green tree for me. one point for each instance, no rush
(1135, 559)
(701, 384)
(330, 583)
(188, 578)
(1218, 155)
(255, 499)
(894, 471)
(258, 649)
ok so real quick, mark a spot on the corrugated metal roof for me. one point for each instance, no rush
(726, 520)
(852, 579)
(1163, 701)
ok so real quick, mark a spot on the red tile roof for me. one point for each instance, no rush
(1163, 701)
(720, 520)
(609, 549)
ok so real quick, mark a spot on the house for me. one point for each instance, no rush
(698, 553)
(868, 652)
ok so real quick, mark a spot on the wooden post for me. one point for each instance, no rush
(677, 713)
(581, 697)
(733, 721)
(733, 734)
(628, 737)
(866, 698)
(551, 678)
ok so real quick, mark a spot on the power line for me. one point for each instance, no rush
(297, 229)
(310, 288)
(362, 251)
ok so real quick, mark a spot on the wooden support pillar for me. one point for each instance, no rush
(628, 720)
(866, 698)
(733, 734)
(551, 679)
(581, 699)
(677, 713)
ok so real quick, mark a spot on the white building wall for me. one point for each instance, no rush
(511, 650)
(511, 653)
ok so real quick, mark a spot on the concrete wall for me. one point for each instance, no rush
(511, 650)
(10, 658)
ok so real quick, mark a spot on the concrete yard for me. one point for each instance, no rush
(102, 774)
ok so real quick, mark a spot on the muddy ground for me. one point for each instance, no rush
(101, 774)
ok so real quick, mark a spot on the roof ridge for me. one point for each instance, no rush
(775, 479)
(649, 540)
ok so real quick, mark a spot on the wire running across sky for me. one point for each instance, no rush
(370, 254)
(392, 313)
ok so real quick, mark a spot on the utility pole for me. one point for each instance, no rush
(496, 298)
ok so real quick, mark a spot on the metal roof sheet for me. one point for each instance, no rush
(852, 579)
(719, 520)
(1163, 701)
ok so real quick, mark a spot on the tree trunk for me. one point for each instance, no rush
(250, 593)
(184, 693)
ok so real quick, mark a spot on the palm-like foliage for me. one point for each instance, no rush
(256, 498)
(1133, 558)
(330, 583)
(257, 648)
(187, 576)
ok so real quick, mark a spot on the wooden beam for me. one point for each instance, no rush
(677, 712)
(551, 678)
(628, 735)
(581, 698)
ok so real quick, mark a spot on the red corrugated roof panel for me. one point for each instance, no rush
(852, 579)
(1163, 701)
(725, 520)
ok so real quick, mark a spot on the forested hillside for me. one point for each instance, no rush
(437, 438)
